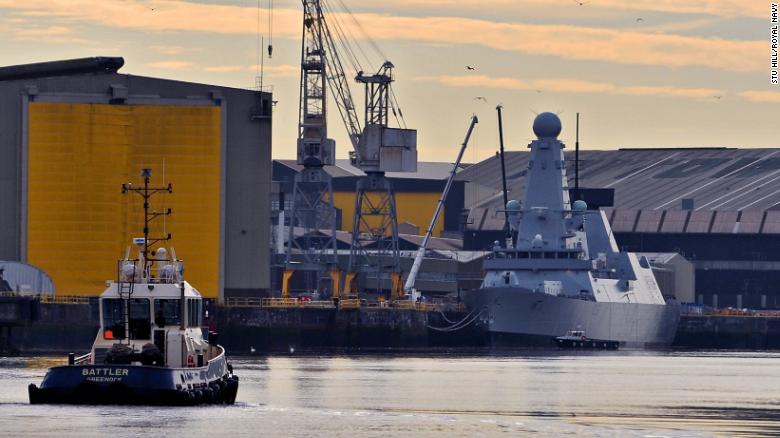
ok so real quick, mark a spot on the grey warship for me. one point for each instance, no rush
(562, 269)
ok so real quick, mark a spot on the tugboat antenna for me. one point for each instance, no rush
(146, 193)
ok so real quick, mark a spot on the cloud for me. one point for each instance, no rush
(761, 96)
(565, 41)
(167, 50)
(721, 8)
(226, 68)
(50, 34)
(571, 86)
(171, 65)
(582, 43)
(279, 71)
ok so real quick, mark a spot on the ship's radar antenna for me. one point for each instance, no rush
(146, 193)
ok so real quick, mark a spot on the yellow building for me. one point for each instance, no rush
(79, 154)
(83, 135)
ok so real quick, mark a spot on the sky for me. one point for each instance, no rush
(641, 73)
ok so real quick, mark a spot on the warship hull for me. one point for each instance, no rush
(514, 317)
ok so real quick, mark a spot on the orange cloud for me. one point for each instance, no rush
(50, 34)
(225, 68)
(279, 71)
(171, 65)
(571, 86)
(722, 8)
(761, 96)
(565, 41)
(168, 50)
(282, 70)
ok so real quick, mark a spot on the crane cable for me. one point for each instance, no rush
(347, 42)
(362, 30)
(342, 39)
(259, 44)
(270, 28)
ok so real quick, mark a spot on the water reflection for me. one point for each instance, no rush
(637, 394)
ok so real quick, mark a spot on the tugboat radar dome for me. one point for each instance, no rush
(547, 125)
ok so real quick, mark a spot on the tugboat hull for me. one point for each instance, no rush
(137, 384)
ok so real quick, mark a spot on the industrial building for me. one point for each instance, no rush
(71, 132)
(416, 195)
(718, 207)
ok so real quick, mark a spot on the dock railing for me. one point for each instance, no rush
(344, 303)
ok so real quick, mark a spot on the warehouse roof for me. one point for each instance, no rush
(425, 169)
(724, 190)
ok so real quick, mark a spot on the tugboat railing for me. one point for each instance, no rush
(83, 360)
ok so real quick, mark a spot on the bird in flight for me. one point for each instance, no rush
(538, 91)
(581, 3)
(482, 98)
(639, 19)
(468, 67)
(717, 97)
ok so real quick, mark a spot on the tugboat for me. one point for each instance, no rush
(577, 339)
(150, 348)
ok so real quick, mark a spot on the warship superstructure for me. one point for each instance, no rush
(561, 269)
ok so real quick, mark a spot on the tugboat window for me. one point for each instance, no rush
(167, 312)
(139, 318)
(193, 313)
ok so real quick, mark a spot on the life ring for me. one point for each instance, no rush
(190, 361)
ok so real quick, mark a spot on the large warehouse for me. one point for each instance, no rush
(718, 207)
(71, 132)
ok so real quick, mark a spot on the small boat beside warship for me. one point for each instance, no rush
(150, 348)
(576, 339)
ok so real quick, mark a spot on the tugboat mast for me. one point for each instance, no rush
(146, 193)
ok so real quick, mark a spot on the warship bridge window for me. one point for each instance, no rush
(167, 312)
(139, 318)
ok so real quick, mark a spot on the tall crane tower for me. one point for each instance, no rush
(380, 149)
(377, 149)
(312, 200)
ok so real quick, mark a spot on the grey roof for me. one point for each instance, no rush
(733, 190)
(656, 179)
(425, 169)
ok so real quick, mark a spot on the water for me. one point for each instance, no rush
(553, 394)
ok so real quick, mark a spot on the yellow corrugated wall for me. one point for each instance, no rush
(79, 223)
(415, 208)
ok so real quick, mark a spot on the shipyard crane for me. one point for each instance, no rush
(376, 149)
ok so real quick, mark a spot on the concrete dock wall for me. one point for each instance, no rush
(728, 332)
(246, 329)
(63, 328)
